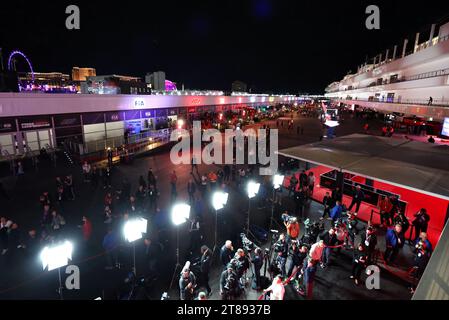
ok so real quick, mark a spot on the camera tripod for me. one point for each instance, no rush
(178, 265)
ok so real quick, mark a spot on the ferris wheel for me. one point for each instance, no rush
(11, 66)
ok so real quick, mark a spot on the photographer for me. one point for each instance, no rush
(187, 284)
(281, 250)
(242, 263)
(229, 286)
(257, 261)
(292, 226)
(297, 255)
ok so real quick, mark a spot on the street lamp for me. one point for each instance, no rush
(133, 231)
(179, 215)
(55, 257)
(252, 190)
(219, 200)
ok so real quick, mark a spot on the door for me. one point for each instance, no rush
(7, 145)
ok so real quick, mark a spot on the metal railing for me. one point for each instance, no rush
(116, 142)
(423, 102)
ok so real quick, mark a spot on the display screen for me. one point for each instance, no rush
(445, 131)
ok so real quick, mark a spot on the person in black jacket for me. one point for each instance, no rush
(357, 199)
(369, 240)
(187, 284)
(226, 253)
(257, 262)
(420, 223)
(205, 262)
(297, 255)
(229, 284)
(358, 263)
(337, 195)
(327, 203)
(330, 240)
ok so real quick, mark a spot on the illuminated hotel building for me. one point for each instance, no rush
(412, 79)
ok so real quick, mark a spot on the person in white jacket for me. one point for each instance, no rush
(277, 289)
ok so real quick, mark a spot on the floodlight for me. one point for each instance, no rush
(134, 229)
(252, 189)
(219, 200)
(278, 180)
(55, 257)
(180, 214)
(331, 123)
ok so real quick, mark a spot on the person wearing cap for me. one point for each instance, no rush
(229, 285)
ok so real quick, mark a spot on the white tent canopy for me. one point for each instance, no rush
(422, 167)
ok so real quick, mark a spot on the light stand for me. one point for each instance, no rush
(252, 190)
(219, 200)
(56, 257)
(133, 231)
(179, 215)
(278, 181)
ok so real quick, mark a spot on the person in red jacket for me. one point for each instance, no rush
(87, 229)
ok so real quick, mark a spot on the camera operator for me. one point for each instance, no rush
(229, 286)
(187, 283)
(292, 226)
(257, 261)
(226, 253)
(206, 258)
(281, 250)
(297, 255)
(242, 263)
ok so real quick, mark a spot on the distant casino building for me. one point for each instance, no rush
(81, 74)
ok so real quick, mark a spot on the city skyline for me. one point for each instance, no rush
(271, 46)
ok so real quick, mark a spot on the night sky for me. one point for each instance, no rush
(274, 46)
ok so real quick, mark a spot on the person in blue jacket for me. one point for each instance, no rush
(336, 211)
(395, 240)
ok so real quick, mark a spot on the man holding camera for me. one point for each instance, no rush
(242, 263)
(281, 250)
(229, 286)
(187, 284)
(292, 225)
(297, 255)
